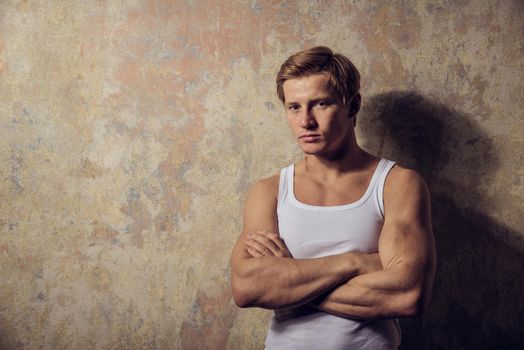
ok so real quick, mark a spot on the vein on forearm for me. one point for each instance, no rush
(275, 282)
(392, 292)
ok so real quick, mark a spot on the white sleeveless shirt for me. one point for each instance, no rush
(311, 231)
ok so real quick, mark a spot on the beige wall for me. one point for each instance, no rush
(131, 131)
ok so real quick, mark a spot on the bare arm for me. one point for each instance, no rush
(406, 249)
(273, 282)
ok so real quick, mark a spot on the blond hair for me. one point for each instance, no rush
(343, 75)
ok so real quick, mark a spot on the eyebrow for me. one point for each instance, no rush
(315, 99)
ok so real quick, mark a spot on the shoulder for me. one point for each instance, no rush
(261, 204)
(401, 180)
(405, 191)
(266, 188)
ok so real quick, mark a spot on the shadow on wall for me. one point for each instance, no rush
(477, 298)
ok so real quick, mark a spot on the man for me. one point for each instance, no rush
(339, 244)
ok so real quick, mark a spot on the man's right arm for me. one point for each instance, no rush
(274, 282)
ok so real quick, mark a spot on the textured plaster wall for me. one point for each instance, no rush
(130, 132)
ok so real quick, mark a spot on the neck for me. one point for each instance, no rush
(349, 159)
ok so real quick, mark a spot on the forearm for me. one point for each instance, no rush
(275, 282)
(386, 293)
(407, 252)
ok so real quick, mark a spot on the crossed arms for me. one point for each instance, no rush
(396, 282)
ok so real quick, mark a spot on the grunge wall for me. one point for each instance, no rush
(130, 132)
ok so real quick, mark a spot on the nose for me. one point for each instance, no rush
(307, 120)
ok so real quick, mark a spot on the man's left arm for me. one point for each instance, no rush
(407, 252)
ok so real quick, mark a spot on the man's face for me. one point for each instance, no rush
(318, 118)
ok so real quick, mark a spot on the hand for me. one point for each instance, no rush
(367, 262)
(265, 243)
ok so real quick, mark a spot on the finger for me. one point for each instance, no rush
(278, 243)
(260, 248)
(276, 240)
(266, 242)
(267, 233)
(271, 235)
(254, 253)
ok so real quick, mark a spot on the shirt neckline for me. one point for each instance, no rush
(360, 201)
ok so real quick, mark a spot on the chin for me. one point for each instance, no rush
(312, 150)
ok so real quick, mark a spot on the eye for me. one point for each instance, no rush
(293, 108)
(322, 104)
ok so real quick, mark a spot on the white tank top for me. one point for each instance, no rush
(311, 231)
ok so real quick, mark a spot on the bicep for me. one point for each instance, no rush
(406, 251)
(259, 214)
(406, 241)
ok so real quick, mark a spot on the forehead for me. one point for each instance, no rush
(306, 87)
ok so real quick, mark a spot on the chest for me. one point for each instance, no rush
(340, 192)
(312, 233)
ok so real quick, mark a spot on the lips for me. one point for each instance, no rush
(309, 137)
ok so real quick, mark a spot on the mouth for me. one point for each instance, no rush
(309, 137)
